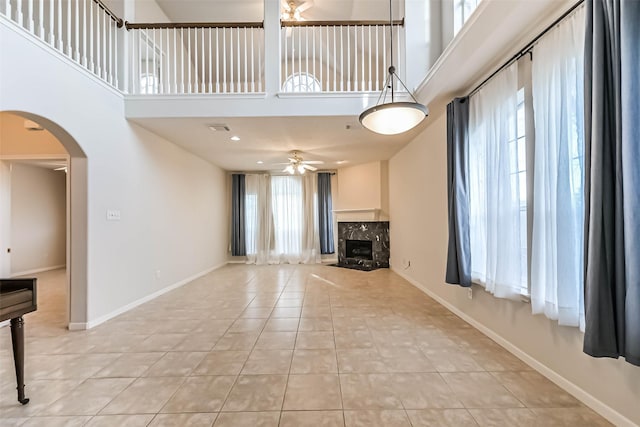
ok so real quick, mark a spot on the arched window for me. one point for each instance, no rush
(301, 82)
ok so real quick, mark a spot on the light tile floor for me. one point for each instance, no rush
(276, 345)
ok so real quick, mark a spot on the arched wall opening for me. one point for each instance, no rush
(76, 229)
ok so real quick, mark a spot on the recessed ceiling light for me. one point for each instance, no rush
(235, 138)
(259, 162)
(340, 162)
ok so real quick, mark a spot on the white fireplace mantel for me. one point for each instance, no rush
(363, 214)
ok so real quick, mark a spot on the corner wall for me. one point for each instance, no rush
(419, 234)
(173, 210)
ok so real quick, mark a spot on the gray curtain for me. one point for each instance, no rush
(238, 245)
(458, 257)
(325, 213)
(612, 179)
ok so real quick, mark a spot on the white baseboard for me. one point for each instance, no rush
(597, 405)
(38, 270)
(93, 323)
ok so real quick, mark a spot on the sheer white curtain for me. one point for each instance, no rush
(311, 225)
(557, 240)
(258, 219)
(495, 200)
(281, 220)
(286, 193)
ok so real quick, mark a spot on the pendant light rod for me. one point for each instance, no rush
(392, 69)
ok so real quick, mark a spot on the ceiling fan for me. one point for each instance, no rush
(297, 165)
(292, 10)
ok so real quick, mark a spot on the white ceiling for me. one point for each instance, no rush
(271, 140)
(252, 10)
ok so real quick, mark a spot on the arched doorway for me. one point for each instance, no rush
(76, 202)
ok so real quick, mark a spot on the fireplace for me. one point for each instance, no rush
(363, 245)
(359, 249)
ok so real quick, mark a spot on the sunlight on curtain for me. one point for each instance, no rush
(494, 194)
(558, 98)
(281, 219)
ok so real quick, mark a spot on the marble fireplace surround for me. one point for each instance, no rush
(376, 232)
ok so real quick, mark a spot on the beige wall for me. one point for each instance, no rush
(15, 140)
(38, 219)
(418, 200)
(363, 187)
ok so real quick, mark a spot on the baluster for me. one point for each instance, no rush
(98, 44)
(217, 52)
(110, 29)
(253, 74)
(69, 50)
(313, 44)
(202, 58)
(239, 83)
(146, 63)
(355, 59)
(19, 16)
(306, 51)
(7, 8)
(230, 59)
(77, 30)
(260, 61)
(283, 32)
(160, 68)
(154, 73)
(211, 52)
(182, 86)
(377, 63)
(195, 60)
(370, 53)
(84, 32)
(41, 19)
(320, 66)
(30, 15)
(105, 63)
(348, 59)
(224, 60)
(175, 60)
(341, 60)
(116, 71)
(335, 63)
(246, 72)
(384, 57)
(59, 27)
(91, 35)
(299, 52)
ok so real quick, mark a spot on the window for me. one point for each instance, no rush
(462, 9)
(148, 84)
(301, 82)
(518, 167)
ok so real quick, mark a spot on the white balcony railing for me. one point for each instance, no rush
(84, 30)
(196, 58)
(348, 56)
(212, 58)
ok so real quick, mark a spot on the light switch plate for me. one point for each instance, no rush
(113, 215)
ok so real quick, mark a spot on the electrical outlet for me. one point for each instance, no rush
(470, 293)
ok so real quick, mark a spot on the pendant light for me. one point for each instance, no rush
(392, 118)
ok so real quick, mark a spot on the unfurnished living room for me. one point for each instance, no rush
(319, 213)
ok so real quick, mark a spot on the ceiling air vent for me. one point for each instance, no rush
(219, 128)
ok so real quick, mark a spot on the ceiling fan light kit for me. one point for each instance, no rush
(392, 118)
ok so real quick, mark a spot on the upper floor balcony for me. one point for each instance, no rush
(272, 67)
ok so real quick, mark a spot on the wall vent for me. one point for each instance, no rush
(219, 128)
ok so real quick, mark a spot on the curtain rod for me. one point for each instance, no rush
(527, 48)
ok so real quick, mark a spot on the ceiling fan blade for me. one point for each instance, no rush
(285, 5)
(313, 162)
(304, 6)
(281, 164)
(311, 168)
